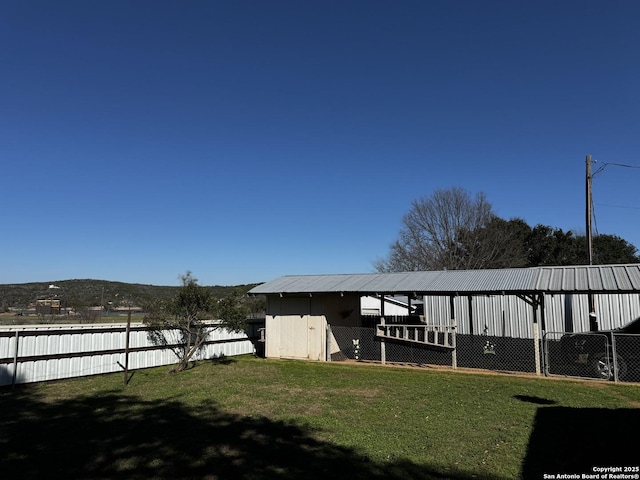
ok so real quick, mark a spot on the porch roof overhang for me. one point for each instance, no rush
(577, 279)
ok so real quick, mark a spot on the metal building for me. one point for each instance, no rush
(517, 303)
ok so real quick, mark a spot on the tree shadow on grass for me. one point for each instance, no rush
(222, 360)
(6, 377)
(575, 440)
(534, 399)
(115, 435)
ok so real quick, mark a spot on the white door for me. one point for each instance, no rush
(294, 336)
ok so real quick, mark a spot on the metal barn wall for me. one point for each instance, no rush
(75, 350)
(613, 311)
(510, 316)
(492, 315)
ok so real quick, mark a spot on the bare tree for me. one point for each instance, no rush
(499, 244)
(450, 230)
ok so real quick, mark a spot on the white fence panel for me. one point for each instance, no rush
(55, 352)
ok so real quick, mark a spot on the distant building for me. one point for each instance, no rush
(48, 306)
(393, 305)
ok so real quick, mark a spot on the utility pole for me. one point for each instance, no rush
(593, 321)
(589, 212)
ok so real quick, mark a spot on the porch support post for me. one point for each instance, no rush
(383, 346)
(470, 305)
(536, 335)
(454, 353)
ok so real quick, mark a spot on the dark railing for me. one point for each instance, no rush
(371, 321)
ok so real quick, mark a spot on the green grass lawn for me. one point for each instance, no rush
(264, 419)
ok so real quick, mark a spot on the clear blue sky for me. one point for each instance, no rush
(245, 140)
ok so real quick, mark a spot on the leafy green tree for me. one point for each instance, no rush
(233, 310)
(609, 249)
(552, 246)
(191, 314)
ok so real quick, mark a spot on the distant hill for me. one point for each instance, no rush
(86, 293)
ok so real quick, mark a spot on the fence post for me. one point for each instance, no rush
(614, 358)
(536, 345)
(126, 349)
(545, 353)
(15, 361)
(454, 352)
(383, 347)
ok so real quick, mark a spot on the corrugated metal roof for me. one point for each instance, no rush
(574, 279)
(596, 278)
(484, 281)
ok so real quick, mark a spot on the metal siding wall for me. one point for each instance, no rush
(517, 320)
(558, 312)
(436, 310)
(52, 344)
(616, 310)
(571, 312)
(487, 316)
(510, 316)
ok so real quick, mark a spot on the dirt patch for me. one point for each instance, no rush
(633, 403)
(480, 371)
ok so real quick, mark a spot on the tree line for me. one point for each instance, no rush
(454, 230)
(79, 294)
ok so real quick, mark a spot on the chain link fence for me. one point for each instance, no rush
(472, 351)
(361, 344)
(627, 354)
(496, 353)
(604, 356)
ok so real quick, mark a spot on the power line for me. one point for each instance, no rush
(607, 164)
(600, 169)
(616, 206)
